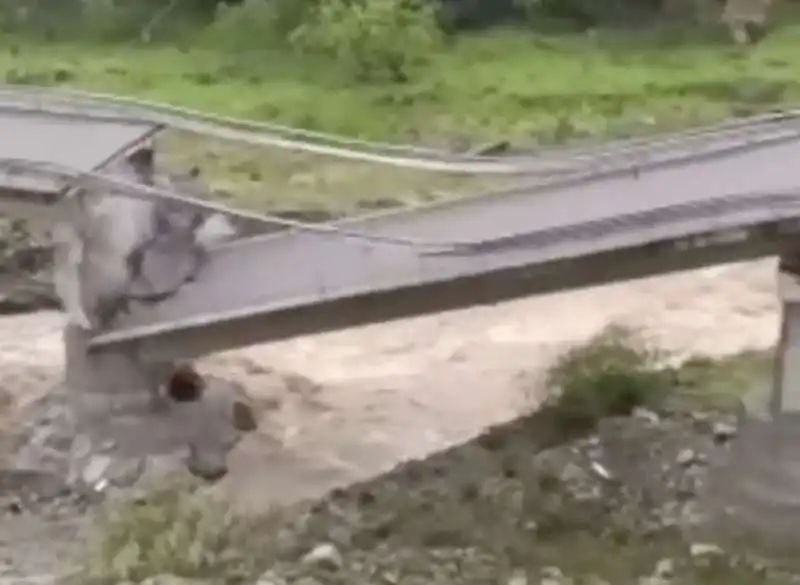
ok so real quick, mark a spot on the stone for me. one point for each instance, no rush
(167, 579)
(723, 431)
(118, 471)
(324, 556)
(244, 417)
(270, 578)
(307, 580)
(95, 470)
(647, 415)
(594, 580)
(704, 549)
(518, 577)
(207, 464)
(551, 572)
(686, 457)
(665, 568)
(653, 580)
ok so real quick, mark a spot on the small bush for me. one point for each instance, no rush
(611, 375)
(176, 531)
(372, 40)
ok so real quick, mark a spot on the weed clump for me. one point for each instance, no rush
(611, 375)
(176, 530)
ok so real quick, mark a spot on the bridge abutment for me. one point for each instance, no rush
(754, 497)
(122, 380)
(125, 423)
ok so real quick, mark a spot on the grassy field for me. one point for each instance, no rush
(530, 89)
(526, 87)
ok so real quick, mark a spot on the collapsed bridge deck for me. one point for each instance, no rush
(674, 207)
(675, 210)
(79, 143)
(575, 232)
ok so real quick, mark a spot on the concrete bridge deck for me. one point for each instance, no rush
(78, 142)
(714, 195)
(658, 208)
(735, 204)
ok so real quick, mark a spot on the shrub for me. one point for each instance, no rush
(371, 40)
(175, 531)
(612, 374)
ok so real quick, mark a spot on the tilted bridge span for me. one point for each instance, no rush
(577, 218)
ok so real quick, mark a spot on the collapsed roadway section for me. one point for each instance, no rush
(738, 200)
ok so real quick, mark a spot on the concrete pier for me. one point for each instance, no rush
(754, 497)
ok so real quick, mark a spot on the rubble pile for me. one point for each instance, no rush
(611, 507)
(496, 506)
(511, 506)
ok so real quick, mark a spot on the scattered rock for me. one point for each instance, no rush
(723, 431)
(700, 549)
(206, 464)
(518, 577)
(270, 578)
(103, 471)
(646, 414)
(665, 568)
(171, 580)
(686, 457)
(653, 580)
(36, 492)
(244, 417)
(324, 556)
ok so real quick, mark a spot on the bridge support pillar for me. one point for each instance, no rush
(125, 426)
(111, 382)
(118, 378)
(754, 496)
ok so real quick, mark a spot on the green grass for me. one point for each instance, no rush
(495, 85)
(529, 88)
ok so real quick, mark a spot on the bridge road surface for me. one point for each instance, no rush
(80, 143)
(577, 232)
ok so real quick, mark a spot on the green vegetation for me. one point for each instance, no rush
(501, 84)
(381, 69)
(176, 531)
(618, 371)
(610, 376)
